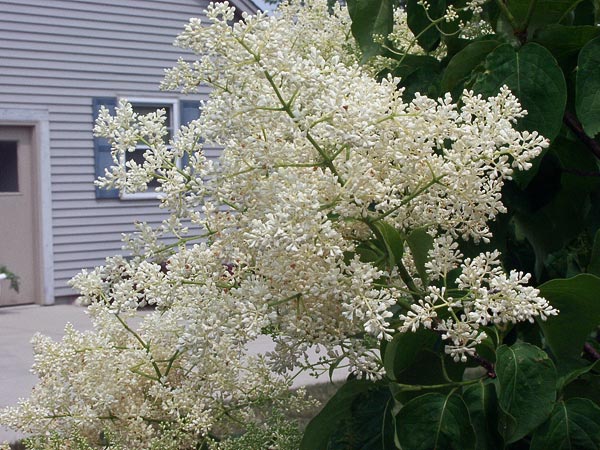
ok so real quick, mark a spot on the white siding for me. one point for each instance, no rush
(57, 55)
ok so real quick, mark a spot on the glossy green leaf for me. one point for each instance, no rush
(392, 240)
(564, 42)
(421, 26)
(335, 415)
(435, 421)
(420, 242)
(368, 426)
(464, 62)
(556, 204)
(594, 264)
(429, 368)
(534, 77)
(586, 13)
(423, 81)
(526, 386)
(586, 386)
(370, 18)
(403, 350)
(573, 425)
(587, 99)
(578, 302)
(574, 374)
(410, 63)
(482, 404)
(544, 12)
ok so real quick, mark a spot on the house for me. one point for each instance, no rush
(60, 61)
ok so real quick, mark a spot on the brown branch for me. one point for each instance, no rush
(575, 126)
(591, 351)
(491, 372)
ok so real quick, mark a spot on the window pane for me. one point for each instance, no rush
(138, 157)
(147, 109)
(9, 173)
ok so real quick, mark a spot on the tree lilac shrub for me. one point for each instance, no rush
(331, 221)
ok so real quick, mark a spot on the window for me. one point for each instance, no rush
(179, 112)
(9, 174)
(145, 106)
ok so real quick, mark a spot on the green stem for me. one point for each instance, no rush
(529, 15)
(433, 23)
(284, 300)
(408, 199)
(180, 241)
(274, 166)
(426, 387)
(511, 19)
(171, 361)
(144, 345)
(327, 161)
(408, 280)
(286, 106)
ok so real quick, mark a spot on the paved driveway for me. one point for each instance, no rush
(19, 323)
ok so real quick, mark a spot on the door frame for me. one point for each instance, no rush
(38, 122)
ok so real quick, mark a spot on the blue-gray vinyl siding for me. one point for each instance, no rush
(56, 56)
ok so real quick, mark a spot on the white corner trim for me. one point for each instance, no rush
(39, 119)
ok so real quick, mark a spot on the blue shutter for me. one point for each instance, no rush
(190, 110)
(102, 155)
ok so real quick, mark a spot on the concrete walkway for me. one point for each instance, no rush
(19, 323)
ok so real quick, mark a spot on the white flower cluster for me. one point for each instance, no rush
(484, 295)
(316, 155)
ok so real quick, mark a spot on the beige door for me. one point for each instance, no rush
(18, 238)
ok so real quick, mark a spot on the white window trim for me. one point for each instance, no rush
(175, 115)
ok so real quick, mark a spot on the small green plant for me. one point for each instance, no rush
(11, 277)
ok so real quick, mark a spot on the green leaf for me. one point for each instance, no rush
(564, 42)
(482, 404)
(526, 386)
(418, 22)
(370, 18)
(337, 413)
(586, 13)
(410, 63)
(420, 242)
(573, 425)
(368, 251)
(533, 75)
(424, 81)
(393, 241)
(464, 62)
(557, 203)
(574, 374)
(429, 368)
(586, 386)
(587, 98)
(418, 73)
(369, 424)
(544, 12)
(594, 265)
(435, 421)
(403, 350)
(579, 313)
